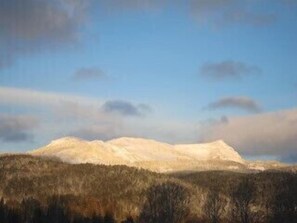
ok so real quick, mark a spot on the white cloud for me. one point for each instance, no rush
(273, 133)
(59, 115)
(64, 114)
(22, 97)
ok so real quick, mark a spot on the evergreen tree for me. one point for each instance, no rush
(129, 219)
(97, 219)
(56, 212)
(14, 216)
(29, 206)
(38, 216)
(2, 211)
(109, 218)
(284, 208)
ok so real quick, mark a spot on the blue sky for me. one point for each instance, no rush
(175, 71)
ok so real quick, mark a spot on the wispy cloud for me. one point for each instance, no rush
(215, 13)
(230, 12)
(17, 128)
(79, 116)
(119, 5)
(40, 99)
(273, 133)
(71, 106)
(228, 69)
(125, 108)
(239, 102)
(89, 73)
(105, 131)
(92, 118)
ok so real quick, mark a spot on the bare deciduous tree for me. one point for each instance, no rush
(242, 198)
(166, 203)
(214, 206)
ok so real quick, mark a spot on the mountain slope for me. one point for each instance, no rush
(217, 150)
(145, 153)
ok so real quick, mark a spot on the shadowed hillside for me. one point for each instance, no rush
(273, 192)
(121, 187)
(89, 190)
(24, 175)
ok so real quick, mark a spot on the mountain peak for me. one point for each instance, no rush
(220, 142)
(66, 139)
(136, 140)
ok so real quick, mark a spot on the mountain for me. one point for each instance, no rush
(150, 154)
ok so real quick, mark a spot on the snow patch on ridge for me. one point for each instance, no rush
(139, 152)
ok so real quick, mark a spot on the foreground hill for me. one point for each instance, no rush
(120, 187)
(151, 155)
(25, 175)
(87, 189)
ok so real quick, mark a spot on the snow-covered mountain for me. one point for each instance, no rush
(147, 154)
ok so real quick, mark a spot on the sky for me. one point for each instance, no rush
(188, 71)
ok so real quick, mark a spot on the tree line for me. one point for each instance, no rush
(168, 202)
(32, 211)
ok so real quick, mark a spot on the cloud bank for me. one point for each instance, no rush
(80, 116)
(90, 118)
(273, 133)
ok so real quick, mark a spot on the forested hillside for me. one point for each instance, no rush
(41, 190)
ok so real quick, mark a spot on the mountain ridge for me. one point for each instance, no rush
(149, 154)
